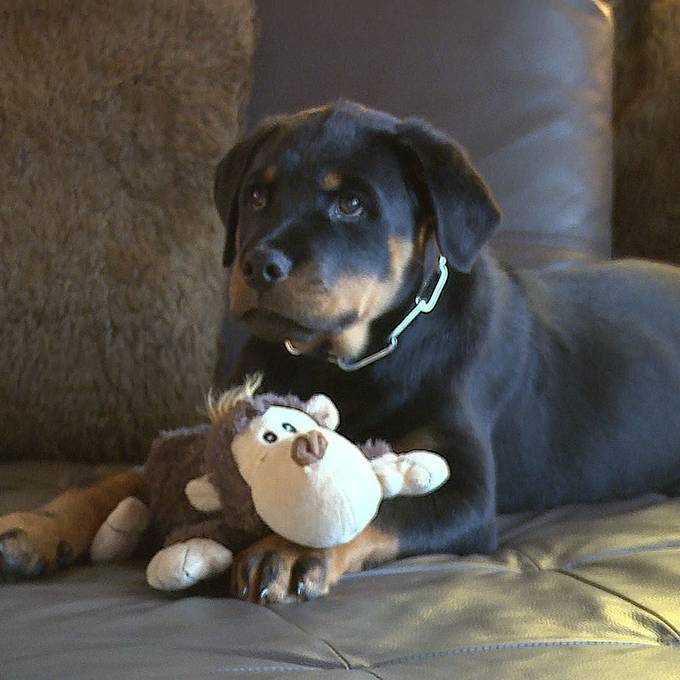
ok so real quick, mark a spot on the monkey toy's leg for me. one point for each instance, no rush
(119, 535)
(182, 565)
(60, 532)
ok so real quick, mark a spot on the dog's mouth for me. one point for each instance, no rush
(276, 327)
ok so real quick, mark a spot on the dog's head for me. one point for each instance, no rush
(328, 213)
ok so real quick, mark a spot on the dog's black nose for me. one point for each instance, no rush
(265, 267)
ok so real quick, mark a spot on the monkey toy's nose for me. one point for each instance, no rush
(308, 448)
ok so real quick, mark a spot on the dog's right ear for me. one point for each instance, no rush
(228, 178)
(465, 213)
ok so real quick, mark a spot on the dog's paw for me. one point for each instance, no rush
(275, 570)
(31, 546)
(183, 565)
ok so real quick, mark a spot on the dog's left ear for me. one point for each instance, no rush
(466, 214)
(228, 178)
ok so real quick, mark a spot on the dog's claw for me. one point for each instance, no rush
(264, 595)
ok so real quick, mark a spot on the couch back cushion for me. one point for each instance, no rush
(112, 118)
(524, 85)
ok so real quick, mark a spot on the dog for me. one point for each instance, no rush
(356, 244)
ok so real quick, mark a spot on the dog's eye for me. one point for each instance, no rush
(288, 427)
(269, 437)
(350, 205)
(257, 197)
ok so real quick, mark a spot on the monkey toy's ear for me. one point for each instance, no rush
(323, 410)
(203, 495)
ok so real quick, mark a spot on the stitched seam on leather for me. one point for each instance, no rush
(268, 669)
(621, 552)
(528, 558)
(671, 628)
(347, 664)
(500, 647)
(299, 669)
(431, 569)
(339, 656)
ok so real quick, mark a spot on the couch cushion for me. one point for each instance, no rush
(112, 117)
(577, 592)
(524, 85)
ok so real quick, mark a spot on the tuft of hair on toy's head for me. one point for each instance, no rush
(218, 405)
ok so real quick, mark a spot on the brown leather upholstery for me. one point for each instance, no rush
(576, 593)
(523, 85)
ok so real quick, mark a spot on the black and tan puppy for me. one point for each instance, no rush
(540, 388)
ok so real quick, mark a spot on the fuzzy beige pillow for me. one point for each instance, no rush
(112, 118)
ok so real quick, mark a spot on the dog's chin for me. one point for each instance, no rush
(274, 327)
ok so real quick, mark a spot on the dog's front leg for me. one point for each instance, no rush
(458, 518)
(60, 532)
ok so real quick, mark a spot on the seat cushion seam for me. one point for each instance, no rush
(513, 646)
(675, 633)
(335, 652)
(528, 558)
(621, 552)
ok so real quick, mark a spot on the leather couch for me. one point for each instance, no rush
(575, 592)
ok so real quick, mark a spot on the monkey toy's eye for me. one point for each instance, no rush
(269, 437)
(288, 427)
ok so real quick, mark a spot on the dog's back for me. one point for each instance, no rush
(596, 413)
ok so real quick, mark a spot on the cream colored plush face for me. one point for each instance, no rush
(321, 503)
(269, 434)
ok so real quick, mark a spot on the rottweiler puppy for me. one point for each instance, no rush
(356, 248)
(540, 388)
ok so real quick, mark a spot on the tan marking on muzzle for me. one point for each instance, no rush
(241, 296)
(423, 231)
(350, 342)
(400, 255)
(308, 448)
(370, 297)
(364, 296)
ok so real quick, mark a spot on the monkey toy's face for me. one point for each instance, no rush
(308, 482)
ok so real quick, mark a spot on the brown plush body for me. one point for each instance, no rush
(265, 463)
(180, 456)
(175, 459)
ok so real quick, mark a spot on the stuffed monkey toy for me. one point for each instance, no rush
(265, 463)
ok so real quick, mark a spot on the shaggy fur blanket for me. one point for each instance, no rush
(112, 118)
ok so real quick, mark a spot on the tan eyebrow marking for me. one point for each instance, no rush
(331, 181)
(269, 173)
